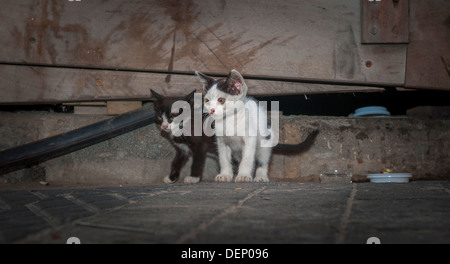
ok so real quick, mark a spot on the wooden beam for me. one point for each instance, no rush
(37, 85)
(90, 110)
(122, 107)
(317, 40)
(429, 47)
(88, 103)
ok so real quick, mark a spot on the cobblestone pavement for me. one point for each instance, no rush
(416, 212)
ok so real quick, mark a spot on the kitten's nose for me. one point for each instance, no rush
(212, 111)
(165, 126)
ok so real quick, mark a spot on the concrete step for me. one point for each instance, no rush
(355, 146)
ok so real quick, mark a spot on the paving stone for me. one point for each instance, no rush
(416, 212)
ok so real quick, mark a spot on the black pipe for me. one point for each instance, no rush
(52, 147)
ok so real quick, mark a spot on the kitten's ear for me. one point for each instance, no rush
(157, 95)
(235, 84)
(206, 81)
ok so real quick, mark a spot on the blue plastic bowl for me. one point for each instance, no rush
(378, 111)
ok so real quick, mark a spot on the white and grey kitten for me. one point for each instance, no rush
(241, 129)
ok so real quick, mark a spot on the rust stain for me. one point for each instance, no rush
(42, 29)
(17, 36)
(229, 50)
(181, 13)
(139, 35)
(38, 29)
(45, 30)
(346, 57)
(446, 64)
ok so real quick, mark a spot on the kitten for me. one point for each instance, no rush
(254, 147)
(185, 146)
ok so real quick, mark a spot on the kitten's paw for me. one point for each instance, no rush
(223, 178)
(243, 178)
(168, 180)
(191, 179)
(260, 178)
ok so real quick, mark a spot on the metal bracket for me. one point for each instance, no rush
(384, 21)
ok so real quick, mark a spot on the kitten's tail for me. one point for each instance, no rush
(288, 149)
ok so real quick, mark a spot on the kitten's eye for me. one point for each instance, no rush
(159, 118)
(170, 119)
(206, 100)
(221, 100)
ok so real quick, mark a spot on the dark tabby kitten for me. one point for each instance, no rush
(185, 146)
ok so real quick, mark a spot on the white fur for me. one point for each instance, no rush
(168, 180)
(165, 122)
(239, 135)
(191, 180)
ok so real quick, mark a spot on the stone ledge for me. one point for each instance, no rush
(354, 145)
